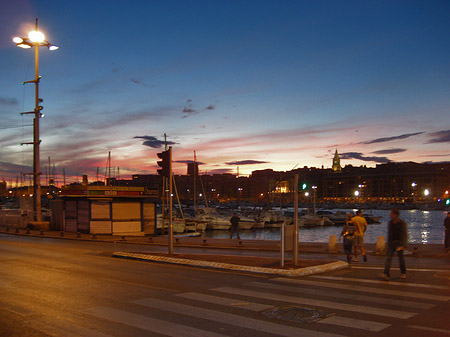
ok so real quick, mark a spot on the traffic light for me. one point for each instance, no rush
(447, 202)
(304, 186)
(164, 163)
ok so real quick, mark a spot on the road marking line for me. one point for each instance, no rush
(136, 284)
(333, 320)
(148, 323)
(355, 323)
(231, 319)
(225, 301)
(319, 303)
(444, 268)
(428, 329)
(352, 297)
(64, 328)
(354, 288)
(403, 284)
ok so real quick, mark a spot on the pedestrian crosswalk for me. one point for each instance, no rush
(354, 307)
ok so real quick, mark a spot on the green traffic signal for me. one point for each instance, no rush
(304, 186)
(447, 202)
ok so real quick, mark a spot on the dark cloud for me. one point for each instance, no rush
(153, 142)
(220, 171)
(389, 151)
(187, 162)
(8, 101)
(188, 110)
(360, 156)
(141, 82)
(246, 162)
(388, 139)
(440, 137)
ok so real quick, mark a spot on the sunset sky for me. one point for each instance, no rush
(248, 84)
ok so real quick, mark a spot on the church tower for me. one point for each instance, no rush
(336, 162)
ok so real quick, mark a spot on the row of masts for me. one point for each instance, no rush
(51, 175)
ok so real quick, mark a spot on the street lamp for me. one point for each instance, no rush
(35, 39)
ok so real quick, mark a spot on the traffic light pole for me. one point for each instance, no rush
(170, 203)
(295, 257)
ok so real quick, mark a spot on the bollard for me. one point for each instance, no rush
(78, 235)
(240, 242)
(150, 239)
(28, 231)
(332, 244)
(380, 248)
(123, 238)
(205, 242)
(41, 232)
(17, 230)
(94, 237)
(177, 240)
(61, 234)
(7, 229)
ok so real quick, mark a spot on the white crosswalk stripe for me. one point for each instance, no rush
(403, 284)
(354, 296)
(242, 309)
(319, 303)
(149, 323)
(233, 319)
(347, 286)
(334, 320)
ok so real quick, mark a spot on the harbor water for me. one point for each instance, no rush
(423, 227)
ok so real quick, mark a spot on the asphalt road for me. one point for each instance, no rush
(56, 287)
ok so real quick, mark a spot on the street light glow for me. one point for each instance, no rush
(356, 193)
(36, 36)
(17, 39)
(24, 46)
(426, 192)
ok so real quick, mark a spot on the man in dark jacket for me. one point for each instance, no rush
(447, 231)
(234, 226)
(397, 239)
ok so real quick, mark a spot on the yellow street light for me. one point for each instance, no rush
(35, 39)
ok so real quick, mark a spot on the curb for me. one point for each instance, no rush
(227, 266)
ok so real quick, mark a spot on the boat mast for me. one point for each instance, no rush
(195, 184)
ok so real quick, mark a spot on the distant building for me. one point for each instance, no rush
(336, 162)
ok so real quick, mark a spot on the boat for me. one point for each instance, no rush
(178, 225)
(273, 219)
(311, 220)
(372, 218)
(336, 218)
(216, 221)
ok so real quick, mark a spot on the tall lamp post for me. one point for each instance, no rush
(35, 39)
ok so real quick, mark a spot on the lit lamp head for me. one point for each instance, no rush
(35, 38)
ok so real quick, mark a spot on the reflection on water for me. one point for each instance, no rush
(423, 227)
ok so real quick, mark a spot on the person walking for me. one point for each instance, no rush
(234, 226)
(360, 224)
(447, 231)
(397, 239)
(347, 233)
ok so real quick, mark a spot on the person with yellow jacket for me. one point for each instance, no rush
(360, 224)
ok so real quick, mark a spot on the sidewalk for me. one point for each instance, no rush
(243, 263)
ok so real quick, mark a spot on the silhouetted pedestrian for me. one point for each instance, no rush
(397, 239)
(347, 233)
(234, 226)
(447, 231)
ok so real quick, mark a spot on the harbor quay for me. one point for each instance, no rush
(254, 256)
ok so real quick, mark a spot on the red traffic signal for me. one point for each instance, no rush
(164, 163)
